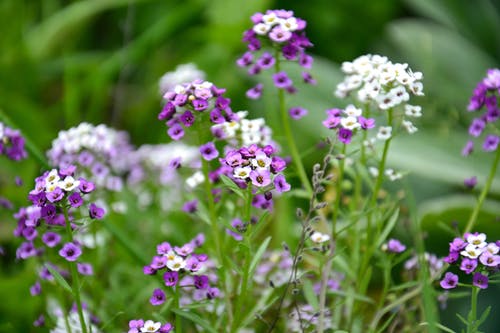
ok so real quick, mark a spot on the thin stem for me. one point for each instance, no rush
(484, 193)
(338, 190)
(471, 325)
(75, 285)
(325, 275)
(414, 293)
(289, 135)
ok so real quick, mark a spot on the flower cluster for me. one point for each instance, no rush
(11, 143)
(412, 266)
(257, 166)
(101, 153)
(182, 74)
(71, 320)
(393, 246)
(347, 121)
(179, 262)
(186, 100)
(474, 256)
(485, 95)
(244, 132)
(149, 326)
(281, 31)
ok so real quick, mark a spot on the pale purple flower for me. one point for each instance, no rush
(170, 278)
(260, 177)
(70, 251)
(366, 123)
(51, 239)
(176, 132)
(96, 212)
(471, 182)
(476, 127)
(266, 61)
(56, 195)
(208, 151)
(480, 280)
(491, 143)
(281, 80)
(245, 60)
(468, 148)
(213, 293)
(489, 259)
(85, 268)
(468, 265)
(36, 289)
(297, 112)
(307, 77)
(395, 246)
(280, 184)
(86, 186)
(255, 92)
(450, 281)
(279, 35)
(190, 206)
(344, 135)
(75, 199)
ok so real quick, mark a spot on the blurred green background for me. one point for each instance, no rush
(64, 62)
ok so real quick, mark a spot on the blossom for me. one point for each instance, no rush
(394, 246)
(297, 112)
(158, 297)
(450, 281)
(96, 212)
(318, 237)
(12, 143)
(182, 73)
(480, 280)
(70, 251)
(208, 151)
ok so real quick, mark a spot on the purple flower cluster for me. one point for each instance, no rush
(179, 262)
(185, 101)
(394, 246)
(100, 153)
(485, 95)
(258, 166)
(11, 143)
(474, 256)
(140, 326)
(279, 30)
(347, 121)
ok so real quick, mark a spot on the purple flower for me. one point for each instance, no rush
(187, 118)
(148, 270)
(489, 259)
(85, 268)
(491, 143)
(468, 148)
(70, 251)
(190, 206)
(176, 132)
(280, 184)
(213, 293)
(297, 112)
(237, 236)
(305, 60)
(86, 186)
(40, 321)
(344, 135)
(95, 212)
(51, 239)
(476, 127)
(395, 246)
(450, 281)
(279, 35)
(307, 77)
(167, 112)
(245, 60)
(36, 289)
(158, 297)
(260, 177)
(266, 61)
(468, 265)
(208, 151)
(366, 123)
(255, 92)
(163, 248)
(171, 278)
(55, 195)
(281, 80)
(201, 282)
(480, 280)
(75, 200)
(471, 182)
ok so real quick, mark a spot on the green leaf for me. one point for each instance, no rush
(388, 228)
(190, 315)
(59, 279)
(309, 294)
(256, 258)
(484, 316)
(232, 186)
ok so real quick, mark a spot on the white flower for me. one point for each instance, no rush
(393, 175)
(347, 67)
(242, 172)
(386, 101)
(373, 171)
(354, 81)
(150, 326)
(52, 177)
(384, 132)
(289, 24)
(400, 93)
(270, 19)
(478, 241)
(176, 264)
(352, 111)
(471, 251)
(413, 110)
(180, 89)
(350, 123)
(69, 184)
(417, 88)
(492, 248)
(261, 161)
(253, 125)
(196, 179)
(318, 237)
(408, 125)
(182, 74)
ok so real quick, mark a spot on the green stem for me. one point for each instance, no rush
(75, 285)
(289, 135)
(484, 193)
(471, 325)
(338, 191)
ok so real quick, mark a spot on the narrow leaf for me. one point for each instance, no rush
(195, 319)
(258, 255)
(59, 279)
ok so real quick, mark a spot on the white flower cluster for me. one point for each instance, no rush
(377, 80)
(244, 132)
(476, 247)
(182, 74)
(52, 181)
(392, 174)
(285, 21)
